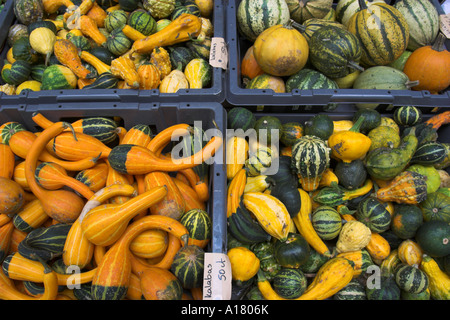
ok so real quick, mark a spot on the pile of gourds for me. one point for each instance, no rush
(347, 198)
(358, 44)
(105, 202)
(127, 44)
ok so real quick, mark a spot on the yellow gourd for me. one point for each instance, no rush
(42, 41)
(125, 68)
(439, 281)
(173, 82)
(410, 253)
(160, 58)
(350, 144)
(236, 154)
(244, 263)
(354, 236)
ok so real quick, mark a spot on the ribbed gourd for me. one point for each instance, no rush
(310, 159)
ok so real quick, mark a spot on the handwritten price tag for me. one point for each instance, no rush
(445, 24)
(218, 55)
(216, 277)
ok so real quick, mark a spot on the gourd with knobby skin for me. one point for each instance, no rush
(354, 235)
(408, 187)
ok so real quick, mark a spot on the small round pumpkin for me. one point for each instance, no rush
(411, 279)
(244, 263)
(281, 50)
(429, 65)
(436, 207)
(383, 136)
(292, 252)
(149, 244)
(249, 66)
(188, 266)
(149, 76)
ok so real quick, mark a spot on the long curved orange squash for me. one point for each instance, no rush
(94, 178)
(113, 273)
(62, 205)
(6, 161)
(162, 139)
(31, 216)
(190, 196)
(21, 142)
(5, 239)
(115, 177)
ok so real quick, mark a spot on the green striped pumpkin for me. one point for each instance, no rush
(19, 72)
(310, 158)
(310, 26)
(240, 118)
(411, 279)
(198, 223)
(382, 32)
(142, 21)
(352, 291)
(326, 222)
(37, 71)
(192, 7)
(290, 283)
(116, 20)
(423, 20)
(188, 266)
(407, 115)
(22, 50)
(290, 132)
(429, 153)
(258, 162)
(267, 81)
(180, 55)
(118, 43)
(129, 5)
(56, 77)
(309, 79)
(81, 42)
(345, 9)
(373, 214)
(255, 16)
(386, 290)
(436, 207)
(335, 52)
(178, 11)
(8, 129)
(104, 81)
(301, 10)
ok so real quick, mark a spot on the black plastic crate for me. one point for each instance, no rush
(158, 116)
(317, 99)
(214, 93)
(6, 20)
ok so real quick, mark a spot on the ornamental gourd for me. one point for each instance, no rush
(303, 10)
(354, 236)
(382, 30)
(291, 51)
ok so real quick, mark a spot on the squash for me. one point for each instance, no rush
(142, 21)
(410, 253)
(252, 21)
(289, 283)
(354, 235)
(244, 263)
(28, 11)
(383, 136)
(98, 64)
(188, 266)
(303, 10)
(58, 77)
(292, 252)
(236, 155)
(382, 41)
(12, 197)
(351, 144)
(149, 76)
(345, 9)
(361, 259)
(173, 82)
(198, 72)
(281, 62)
(249, 66)
(426, 61)
(270, 212)
(310, 26)
(267, 81)
(386, 290)
(160, 58)
(42, 40)
(7, 161)
(335, 195)
(326, 222)
(117, 42)
(181, 29)
(373, 214)
(411, 279)
(435, 207)
(150, 244)
(90, 29)
(199, 223)
(124, 68)
(439, 281)
(159, 9)
(115, 20)
(408, 187)
(160, 284)
(406, 220)
(98, 14)
(378, 247)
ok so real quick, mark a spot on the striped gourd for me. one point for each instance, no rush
(101, 128)
(30, 217)
(57, 77)
(117, 42)
(150, 244)
(423, 20)
(8, 129)
(104, 81)
(95, 177)
(429, 153)
(373, 214)
(200, 49)
(382, 31)
(240, 118)
(407, 115)
(17, 72)
(352, 291)
(139, 134)
(327, 222)
(335, 52)
(345, 9)
(259, 162)
(310, 26)
(302, 10)
(198, 72)
(361, 259)
(198, 222)
(142, 21)
(267, 81)
(270, 212)
(258, 184)
(290, 283)
(310, 159)
(188, 266)
(251, 20)
(307, 79)
(411, 279)
(236, 155)
(115, 19)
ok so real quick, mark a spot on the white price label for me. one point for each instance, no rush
(218, 55)
(445, 24)
(217, 277)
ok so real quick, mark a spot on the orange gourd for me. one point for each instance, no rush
(183, 28)
(52, 176)
(61, 205)
(132, 33)
(149, 76)
(67, 54)
(11, 196)
(439, 119)
(5, 239)
(51, 6)
(125, 68)
(99, 65)
(150, 244)
(22, 141)
(378, 247)
(105, 224)
(190, 197)
(172, 205)
(134, 291)
(115, 177)
(97, 14)
(82, 9)
(95, 177)
(7, 161)
(90, 29)
(430, 65)
(160, 284)
(31, 216)
(19, 175)
(160, 58)
(163, 138)
(249, 66)
(16, 237)
(138, 135)
(410, 253)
